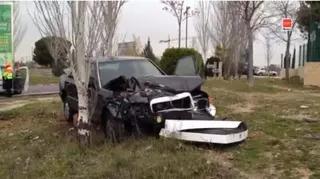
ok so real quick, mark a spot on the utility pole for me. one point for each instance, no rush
(187, 15)
(166, 41)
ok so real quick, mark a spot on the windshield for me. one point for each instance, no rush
(109, 70)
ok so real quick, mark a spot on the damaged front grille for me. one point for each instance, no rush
(182, 101)
(202, 103)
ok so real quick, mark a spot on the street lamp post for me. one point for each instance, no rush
(187, 14)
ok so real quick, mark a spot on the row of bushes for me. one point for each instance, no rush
(171, 56)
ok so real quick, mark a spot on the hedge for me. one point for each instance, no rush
(171, 56)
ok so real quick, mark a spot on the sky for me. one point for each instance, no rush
(145, 18)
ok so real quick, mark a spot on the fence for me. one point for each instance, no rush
(302, 54)
(313, 46)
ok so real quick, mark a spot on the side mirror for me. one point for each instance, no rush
(68, 72)
(186, 66)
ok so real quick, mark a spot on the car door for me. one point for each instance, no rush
(93, 92)
(21, 80)
(186, 66)
(72, 93)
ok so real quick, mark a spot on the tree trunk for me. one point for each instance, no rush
(83, 124)
(111, 30)
(287, 58)
(236, 63)
(250, 63)
(84, 134)
(179, 37)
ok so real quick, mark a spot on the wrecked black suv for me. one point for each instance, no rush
(132, 95)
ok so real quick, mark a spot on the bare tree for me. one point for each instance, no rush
(202, 26)
(176, 8)
(80, 67)
(194, 45)
(52, 18)
(255, 17)
(285, 9)
(94, 23)
(19, 28)
(219, 24)
(238, 41)
(269, 50)
(110, 16)
(227, 31)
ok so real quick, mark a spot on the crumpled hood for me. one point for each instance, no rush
(178, 83)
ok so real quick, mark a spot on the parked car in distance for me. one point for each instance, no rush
(264, 72)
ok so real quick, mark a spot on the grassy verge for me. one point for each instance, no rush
(35, 142)
(35, 80)
(42, 76)
(281, 143)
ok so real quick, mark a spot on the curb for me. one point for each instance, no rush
(38, 94)
(15, 97)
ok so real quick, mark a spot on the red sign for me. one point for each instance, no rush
(287, 24)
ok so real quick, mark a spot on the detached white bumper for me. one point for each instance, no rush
(220, 132)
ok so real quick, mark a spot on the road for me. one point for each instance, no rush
(36, 89)
(42, 89)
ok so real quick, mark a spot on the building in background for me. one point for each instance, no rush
(125, 47)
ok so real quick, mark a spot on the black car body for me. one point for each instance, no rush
(125, 89)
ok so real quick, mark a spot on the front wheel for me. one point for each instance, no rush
(17, 92)
(68, 112)
(114, 129)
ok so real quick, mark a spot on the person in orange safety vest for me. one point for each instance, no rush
(7, 77)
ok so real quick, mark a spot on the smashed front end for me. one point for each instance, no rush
(177, 108)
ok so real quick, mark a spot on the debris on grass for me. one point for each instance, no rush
(304, 107)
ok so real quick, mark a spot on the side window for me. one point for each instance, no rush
(185, 67)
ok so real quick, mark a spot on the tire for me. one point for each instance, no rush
(68, 112)
(274, 74)
(260, 74)
(114, 129)
(17, 92)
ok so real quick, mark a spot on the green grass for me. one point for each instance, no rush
(277, 146)
(35, 80)
(35, 142)
(261, 85)
(42, 76)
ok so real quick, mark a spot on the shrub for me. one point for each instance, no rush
(171, 56)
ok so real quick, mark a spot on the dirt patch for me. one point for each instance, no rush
(242, 108)
(258, 135)
(8, 107)
(281, 96)
(223, 158)
(273, 171)
(304, 173)
(307, 92)
(298, 117)
(12, 104)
